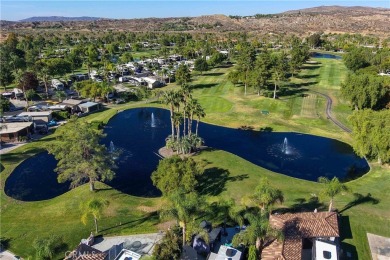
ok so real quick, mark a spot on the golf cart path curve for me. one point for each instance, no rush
(329, 112)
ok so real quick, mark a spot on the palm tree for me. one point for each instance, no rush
(190, 112)
(265, 195)
(185, 92)
(258, 232)
(29, 94)
(230, 211)
(43, 73)
(331, 189)
(169, 98)
(93, 207)
(45, 247)
(77, 86)
(199, 112)
(177, 119)
(184, 208)
(61, 95)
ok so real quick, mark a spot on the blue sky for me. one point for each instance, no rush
(17, 10)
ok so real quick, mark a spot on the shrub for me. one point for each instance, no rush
(61, 115)
(97, 124)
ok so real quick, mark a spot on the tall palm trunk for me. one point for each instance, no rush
(172, 124)
(96, 225)
(178, 132)
(275, 91)
(184, 120)
(91, 185)
(190, 124)
(246, 79)
(184, 234)
(330, 205)
(197, 125)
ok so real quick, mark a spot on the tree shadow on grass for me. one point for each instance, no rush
(4, 243)
(16, 157)
(311, 67)
(305, 84)
(292, 92)
(360, 199)
(307, 76)
(151, 217)
(214, 74)
(202, 86)
(213, 181)
(348, 250)
(303, 205)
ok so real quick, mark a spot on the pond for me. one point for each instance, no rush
(139, 133)
(325, 56)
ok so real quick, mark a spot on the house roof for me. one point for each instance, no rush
(42, 113)
(72, 102)
(296, 227)
(226, 252)
(14, 127)
(88, 104)
(85, 252)
(307, 224)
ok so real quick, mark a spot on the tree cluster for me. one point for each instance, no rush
(183, 109)
(371, 134)
(366, 91)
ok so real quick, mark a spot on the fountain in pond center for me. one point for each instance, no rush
(152, 121)
(285, 147)
(284, 151)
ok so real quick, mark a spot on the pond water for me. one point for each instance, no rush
(139, 133)
(325, 56)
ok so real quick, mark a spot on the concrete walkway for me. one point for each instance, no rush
(379, 246)
(7, 255)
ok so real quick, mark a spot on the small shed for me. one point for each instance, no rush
(11, 132)
(73, 104)
(39, 117)
(153, 82)
(89, 107)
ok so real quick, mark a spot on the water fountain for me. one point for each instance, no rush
(284, 151)
(285, 148)
(152, 121)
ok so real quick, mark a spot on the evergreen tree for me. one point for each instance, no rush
(183, 75)
(201, 65)
(80, 156)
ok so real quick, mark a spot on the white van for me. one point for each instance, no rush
(58, 85)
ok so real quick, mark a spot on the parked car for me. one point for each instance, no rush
(52, 123)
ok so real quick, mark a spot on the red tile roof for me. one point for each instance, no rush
(296, 227)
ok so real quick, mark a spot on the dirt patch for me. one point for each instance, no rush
(167, 224)
(147, 209)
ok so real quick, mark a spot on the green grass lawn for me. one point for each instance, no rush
(226, 175)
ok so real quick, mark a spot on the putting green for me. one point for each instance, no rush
(212, 104)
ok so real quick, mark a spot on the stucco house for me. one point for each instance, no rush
(12, 132)
(307, 235)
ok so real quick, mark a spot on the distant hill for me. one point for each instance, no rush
(303, 22)
(336, 9)
(59, 19)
